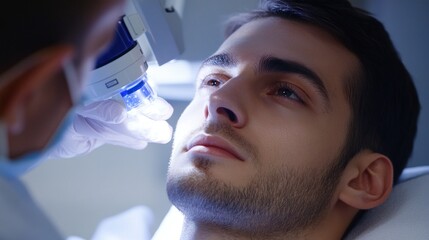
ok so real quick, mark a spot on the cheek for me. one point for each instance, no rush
(191, 120)
(298, 144)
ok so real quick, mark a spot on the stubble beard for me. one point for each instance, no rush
(273, 203)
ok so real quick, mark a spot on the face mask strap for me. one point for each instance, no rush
(72, 81)
(4, 146)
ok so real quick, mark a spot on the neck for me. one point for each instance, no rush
(331, 227)
(193, 230)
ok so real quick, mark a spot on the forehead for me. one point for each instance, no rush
(294, 41)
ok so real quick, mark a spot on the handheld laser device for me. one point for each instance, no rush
(146, 32)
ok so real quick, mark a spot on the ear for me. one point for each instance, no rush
(368, 180)
(19, 83)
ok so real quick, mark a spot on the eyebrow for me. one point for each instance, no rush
(274, 64)
(221, 60)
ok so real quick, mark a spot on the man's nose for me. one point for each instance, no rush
(227, 104)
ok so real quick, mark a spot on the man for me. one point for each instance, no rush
(47, 49)
(302, 119)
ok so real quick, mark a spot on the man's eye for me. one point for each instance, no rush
(212, 81)
(286, 90)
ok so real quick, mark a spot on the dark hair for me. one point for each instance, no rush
(382, 96)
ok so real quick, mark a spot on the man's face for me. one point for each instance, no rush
(266, 126)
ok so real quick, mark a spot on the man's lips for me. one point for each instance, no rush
(213, 145)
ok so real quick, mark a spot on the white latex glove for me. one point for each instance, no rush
(109, 122)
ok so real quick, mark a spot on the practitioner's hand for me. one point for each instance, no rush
(109, 122)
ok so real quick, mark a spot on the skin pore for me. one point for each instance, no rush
(255, 152)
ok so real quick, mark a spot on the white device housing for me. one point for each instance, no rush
(158, 31)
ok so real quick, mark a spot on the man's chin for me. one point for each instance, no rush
(223, 170)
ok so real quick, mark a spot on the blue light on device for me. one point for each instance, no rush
(138, 94)
(120, 72)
